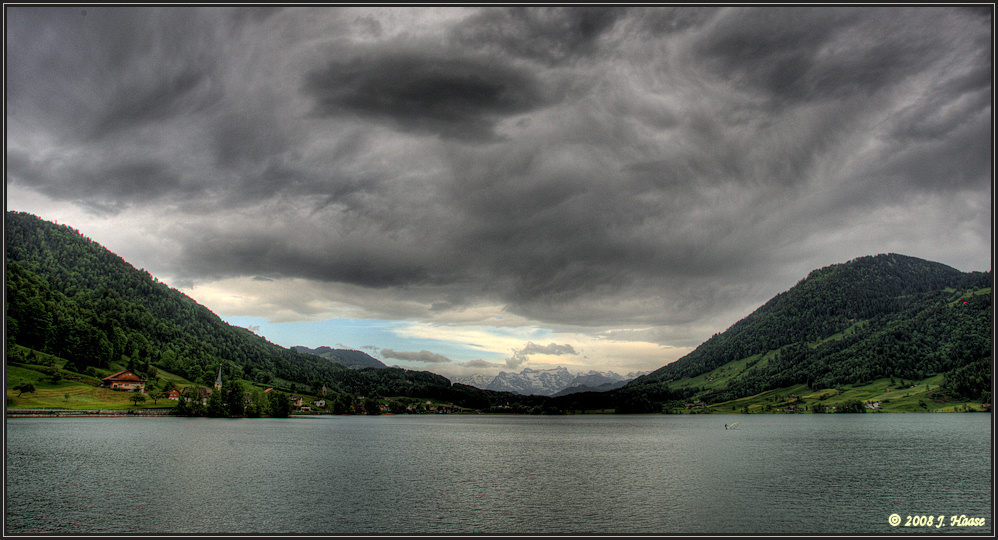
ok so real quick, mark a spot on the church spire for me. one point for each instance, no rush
(218, 381)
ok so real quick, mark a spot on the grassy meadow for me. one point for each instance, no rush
(67, 393)
(902, 396)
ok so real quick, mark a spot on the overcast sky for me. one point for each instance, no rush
(474, 190)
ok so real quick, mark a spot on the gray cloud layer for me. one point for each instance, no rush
(582, 166)
(456, 98)
(550, 348)
(423, 356)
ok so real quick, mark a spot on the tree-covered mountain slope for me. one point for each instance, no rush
(873, 317)
(70, 297)
(348, 357)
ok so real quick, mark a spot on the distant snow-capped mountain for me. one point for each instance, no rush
(478, 380)
(543, 382)
(596, 378)
(547, 382)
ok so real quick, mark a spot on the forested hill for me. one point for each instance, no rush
(879, 316)
(348, 357)
(70, 297)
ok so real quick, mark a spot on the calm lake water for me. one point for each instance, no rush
(444, 474)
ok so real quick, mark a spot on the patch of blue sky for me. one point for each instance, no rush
(360, 334)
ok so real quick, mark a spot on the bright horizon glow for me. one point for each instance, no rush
(465, 347)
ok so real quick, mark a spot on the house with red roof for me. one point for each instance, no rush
(124, 380)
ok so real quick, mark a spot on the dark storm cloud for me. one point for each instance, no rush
(548, 34)
(103, 105)
(102, 186)
(162, 98)
(665, 20)
(812, 53)
(546, 239)
(255, 13)
(578, 166)
(958, 164)
(367, 260)
(111, 70)
(423, 356)
(456, 98)
(937, 144)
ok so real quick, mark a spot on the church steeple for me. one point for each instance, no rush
(218, 381)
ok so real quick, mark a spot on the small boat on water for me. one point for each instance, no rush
(732, 426)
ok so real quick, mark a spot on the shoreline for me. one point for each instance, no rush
(169, 413)
(98, 413)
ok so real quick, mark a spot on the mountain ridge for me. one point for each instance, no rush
(350, 358)
(873, 317)
(547, 382)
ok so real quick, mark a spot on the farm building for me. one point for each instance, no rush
(124, 380)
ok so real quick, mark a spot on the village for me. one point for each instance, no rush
(128, 380)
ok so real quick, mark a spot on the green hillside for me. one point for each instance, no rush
(71, 299)
(874, 322)
(347, 357)
(879, 317)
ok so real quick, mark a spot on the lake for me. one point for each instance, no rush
(480, 474)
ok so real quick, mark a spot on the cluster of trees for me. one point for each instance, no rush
(848, 406)
(651, 397)
(44, 319)
(376, 382)
(235, 401)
